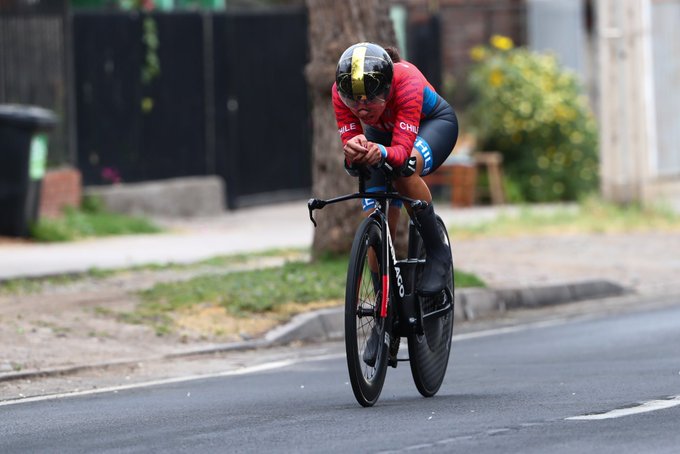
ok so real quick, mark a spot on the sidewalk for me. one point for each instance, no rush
(247, 230)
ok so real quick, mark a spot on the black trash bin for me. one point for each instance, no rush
(23, 158)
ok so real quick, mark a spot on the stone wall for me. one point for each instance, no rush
(175, 197)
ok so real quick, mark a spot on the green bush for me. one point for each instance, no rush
(92, 204)
(534, 112)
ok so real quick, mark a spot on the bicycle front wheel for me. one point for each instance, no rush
(429, 352)
(367, 366)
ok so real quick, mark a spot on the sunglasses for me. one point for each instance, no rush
(359, 101)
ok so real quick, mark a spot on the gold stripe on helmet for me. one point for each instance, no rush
(358, 56)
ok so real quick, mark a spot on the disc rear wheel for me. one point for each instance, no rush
(429, 352)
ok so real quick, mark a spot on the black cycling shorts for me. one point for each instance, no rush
(436, 138)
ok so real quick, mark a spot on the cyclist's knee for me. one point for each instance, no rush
(402, 184)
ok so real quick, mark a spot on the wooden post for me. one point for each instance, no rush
(492, 163)
(627, 139)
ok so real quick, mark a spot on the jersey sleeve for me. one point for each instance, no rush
(348, 124)
(409, 98)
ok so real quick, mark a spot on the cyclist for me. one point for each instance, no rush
(386, 109)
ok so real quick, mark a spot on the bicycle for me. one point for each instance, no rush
(390, 305)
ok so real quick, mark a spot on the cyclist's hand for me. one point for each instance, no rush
(356, 149)
(373, 155)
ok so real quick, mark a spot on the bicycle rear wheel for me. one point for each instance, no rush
(429, 352)
(362, 310)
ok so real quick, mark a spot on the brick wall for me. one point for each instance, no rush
(468, 23)
(60, 188)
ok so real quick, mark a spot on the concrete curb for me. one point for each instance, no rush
(325, 324)
(328, 324)
(470, 304)
(477, 302)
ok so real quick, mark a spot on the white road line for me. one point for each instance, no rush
(509, 329)
(644, 407)
(168, 381)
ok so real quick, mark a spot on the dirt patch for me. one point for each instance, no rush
(13, 240)
(214, 323)
(62, 325)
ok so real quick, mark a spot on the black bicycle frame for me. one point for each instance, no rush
(381, 212)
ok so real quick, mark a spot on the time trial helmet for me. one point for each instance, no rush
(364, 74)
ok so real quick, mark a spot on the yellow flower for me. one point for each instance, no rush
(147, 104)
(496, 78)
(576, 137)
(502, 42)
(478, 53)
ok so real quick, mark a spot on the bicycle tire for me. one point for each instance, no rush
(362, 306)
(429, 352)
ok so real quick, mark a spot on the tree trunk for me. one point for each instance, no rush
(333, 27)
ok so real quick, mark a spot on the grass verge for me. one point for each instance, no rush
(90, 220)
(281, 291)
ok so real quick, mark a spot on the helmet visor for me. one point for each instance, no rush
(356, 102)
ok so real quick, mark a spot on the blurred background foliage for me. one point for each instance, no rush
(535, 112)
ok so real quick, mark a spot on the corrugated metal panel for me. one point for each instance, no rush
(33, 72)
(666, 54)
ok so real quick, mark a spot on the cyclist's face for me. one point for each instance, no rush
(367, 110)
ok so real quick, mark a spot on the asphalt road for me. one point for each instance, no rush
(507, 390)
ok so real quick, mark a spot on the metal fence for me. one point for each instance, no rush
(229, 98)
(262, 110)
(130, 129)
(34, 64)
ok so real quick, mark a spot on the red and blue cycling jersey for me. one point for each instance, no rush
(411, 99)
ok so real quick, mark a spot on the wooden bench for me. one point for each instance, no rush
(462, 179)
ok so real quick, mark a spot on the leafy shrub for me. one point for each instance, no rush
(534, 111)
(92, 204)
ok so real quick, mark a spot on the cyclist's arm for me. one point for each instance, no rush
(354, 142)
(349, 125)
(410, 101)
